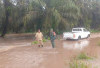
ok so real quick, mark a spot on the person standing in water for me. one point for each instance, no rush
(52, 37)
(39, 38)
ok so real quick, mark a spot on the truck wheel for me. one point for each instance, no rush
(79, 38)
(88, 36)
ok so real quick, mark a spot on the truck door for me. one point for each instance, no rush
(82, 33)
(85, 33)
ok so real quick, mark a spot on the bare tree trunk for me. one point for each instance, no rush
(6, 22)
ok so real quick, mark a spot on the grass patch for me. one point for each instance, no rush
(76, 64)
(58, 38)
(94, 31)
(44, 40)
(48, 38)
(83, 56)
(81, 61)
(98, 43)
(35, 42)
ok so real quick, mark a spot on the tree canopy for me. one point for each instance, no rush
(17, 16)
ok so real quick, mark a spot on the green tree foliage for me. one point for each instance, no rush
(7, 7)
(61, 15)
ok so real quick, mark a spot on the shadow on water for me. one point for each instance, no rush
(75, 44)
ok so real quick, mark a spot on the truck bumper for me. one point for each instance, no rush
(69, 38)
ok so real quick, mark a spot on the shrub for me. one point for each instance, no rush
(83, 56)
(44, 40)
(48, 38)
(35, 42)
(98, 43)
(94, 31)
(76, 64)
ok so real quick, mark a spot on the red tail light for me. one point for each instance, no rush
(73, 35)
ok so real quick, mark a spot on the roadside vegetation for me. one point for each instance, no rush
(81, 61)
(95, 31)
(26, 16)
(83, 56)
(98, 43)
(36, 42)
(76, 64)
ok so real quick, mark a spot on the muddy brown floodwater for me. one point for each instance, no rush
(19, 53)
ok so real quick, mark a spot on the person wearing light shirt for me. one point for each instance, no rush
(39, 38)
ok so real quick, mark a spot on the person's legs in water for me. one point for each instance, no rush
(41, 43)
(52, 42)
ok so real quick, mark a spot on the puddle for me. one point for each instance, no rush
(15, 44)
(76, 45)
(48, 48)
(22, 44)
(5, 48)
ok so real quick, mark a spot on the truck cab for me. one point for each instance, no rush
(77, 33)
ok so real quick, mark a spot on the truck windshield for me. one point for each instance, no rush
(77, 29)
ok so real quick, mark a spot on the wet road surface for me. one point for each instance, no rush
(19, 53)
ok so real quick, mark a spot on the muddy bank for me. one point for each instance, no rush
(25, 55)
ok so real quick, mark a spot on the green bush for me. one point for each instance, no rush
(48, 38)
(98, 43)
(44, 40)
(94, 31)
(76, 64)
(83, 56)
(58, 38)
(35, 42)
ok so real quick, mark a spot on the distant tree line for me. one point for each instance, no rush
(20, 16)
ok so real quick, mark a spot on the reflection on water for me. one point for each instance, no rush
(76, 45)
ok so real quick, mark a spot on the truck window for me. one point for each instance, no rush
(85, 30)
(80, 29)
(77, 29)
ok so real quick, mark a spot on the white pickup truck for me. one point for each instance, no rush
(76, 34)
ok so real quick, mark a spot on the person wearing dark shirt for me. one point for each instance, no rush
(52, 37)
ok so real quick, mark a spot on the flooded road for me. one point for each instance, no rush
(76, 45)
(20, 53)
